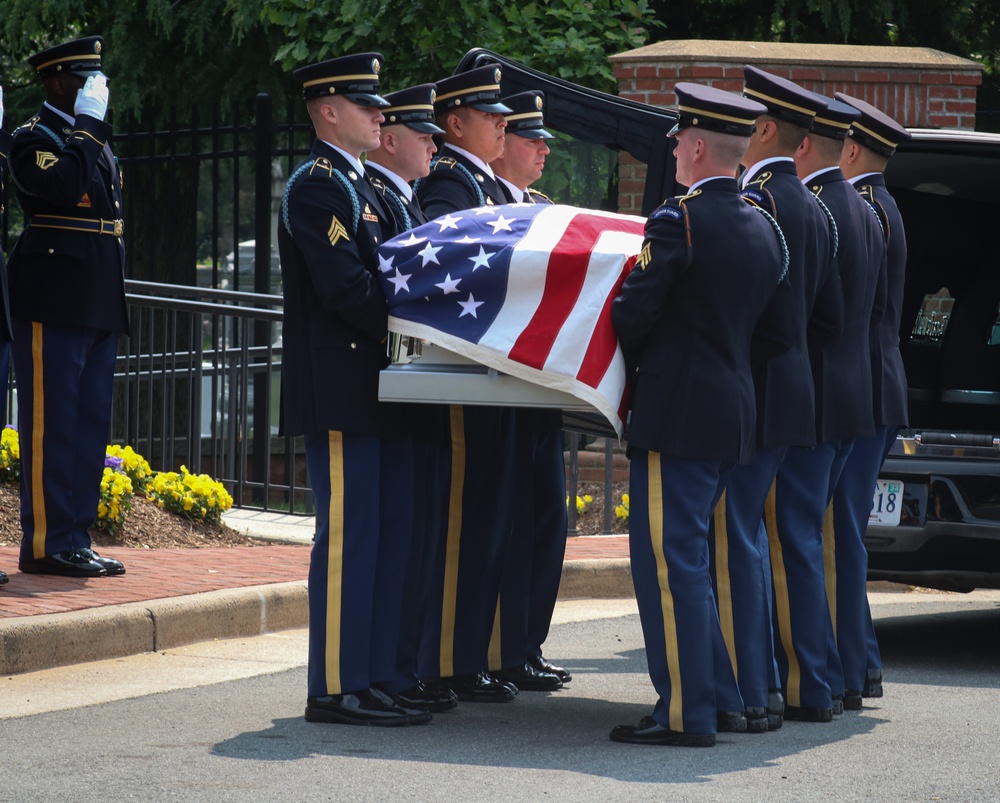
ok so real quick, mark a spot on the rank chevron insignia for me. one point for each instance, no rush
(45, 159)
(337, 231)
(644, 256)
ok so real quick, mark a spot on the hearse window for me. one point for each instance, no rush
(932, 320)
(580, 174)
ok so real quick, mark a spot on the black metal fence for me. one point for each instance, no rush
(198, 384)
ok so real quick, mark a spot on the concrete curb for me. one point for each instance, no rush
(32, 643)
(609, 578)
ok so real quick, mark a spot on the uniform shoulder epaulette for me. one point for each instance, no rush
(321, 165)
(867, 191)
(673, 208)
(757, 194)
(27, 125)
(451, 163)
(540, 195)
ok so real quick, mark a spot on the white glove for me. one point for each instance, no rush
(92, 100)
(1, 107)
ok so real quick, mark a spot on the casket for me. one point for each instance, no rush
(434, 375)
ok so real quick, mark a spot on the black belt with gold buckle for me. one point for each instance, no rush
(115, 228)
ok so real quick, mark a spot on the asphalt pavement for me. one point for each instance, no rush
(221, 721)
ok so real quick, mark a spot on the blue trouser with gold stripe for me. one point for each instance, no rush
(430, 507)
(363, 521)
(740, 565)
(533, 565)
(671, 502)
(795, 536)
(65, 378)
(852, 503)
(463, 599)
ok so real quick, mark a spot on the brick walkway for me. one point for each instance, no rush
(161, 573)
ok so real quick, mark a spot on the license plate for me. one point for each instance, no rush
(886, 502)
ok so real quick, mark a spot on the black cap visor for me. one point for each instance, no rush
(489, 108)
(367, 99)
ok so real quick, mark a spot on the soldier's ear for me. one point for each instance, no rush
(328, 112)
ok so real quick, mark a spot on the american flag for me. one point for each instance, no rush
(525, 289)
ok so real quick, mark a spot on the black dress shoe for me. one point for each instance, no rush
(797, 714)
(873, 684)
(543, 664)
(417, 715)
(731, 722)
(775, 709)
(426, 698)
(527, 678)
(481, 688)
(512, 687)
(756, 717)
(3, 578)
(111, 566)
(365, 707)
(649, 731)
(852, 700)
(837, 704)
(71, 563)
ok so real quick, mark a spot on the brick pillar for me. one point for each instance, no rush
(920, 87)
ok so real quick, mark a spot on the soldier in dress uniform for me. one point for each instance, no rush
(707, 271)
(5, 335)
(480, 514)
(67, 301)
(469, 110)
(358, 455)
(404, 156)
(534, 561)
(525, 148)
(405, 152)
(807, 656)
(783, 387)
(871, 142)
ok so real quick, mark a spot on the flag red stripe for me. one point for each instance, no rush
(564, 278)
(603, 343)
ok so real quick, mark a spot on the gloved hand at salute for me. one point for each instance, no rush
(92, 100)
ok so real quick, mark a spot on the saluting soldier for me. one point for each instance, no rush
(708, 269)
(5, 335)
(358, 457)
(480, 513)
(783, 387)
(871, 142)
(806, 652)
(534, 561)
(403, 156)
(67, 302)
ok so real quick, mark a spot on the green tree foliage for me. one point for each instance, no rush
(423, 40)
